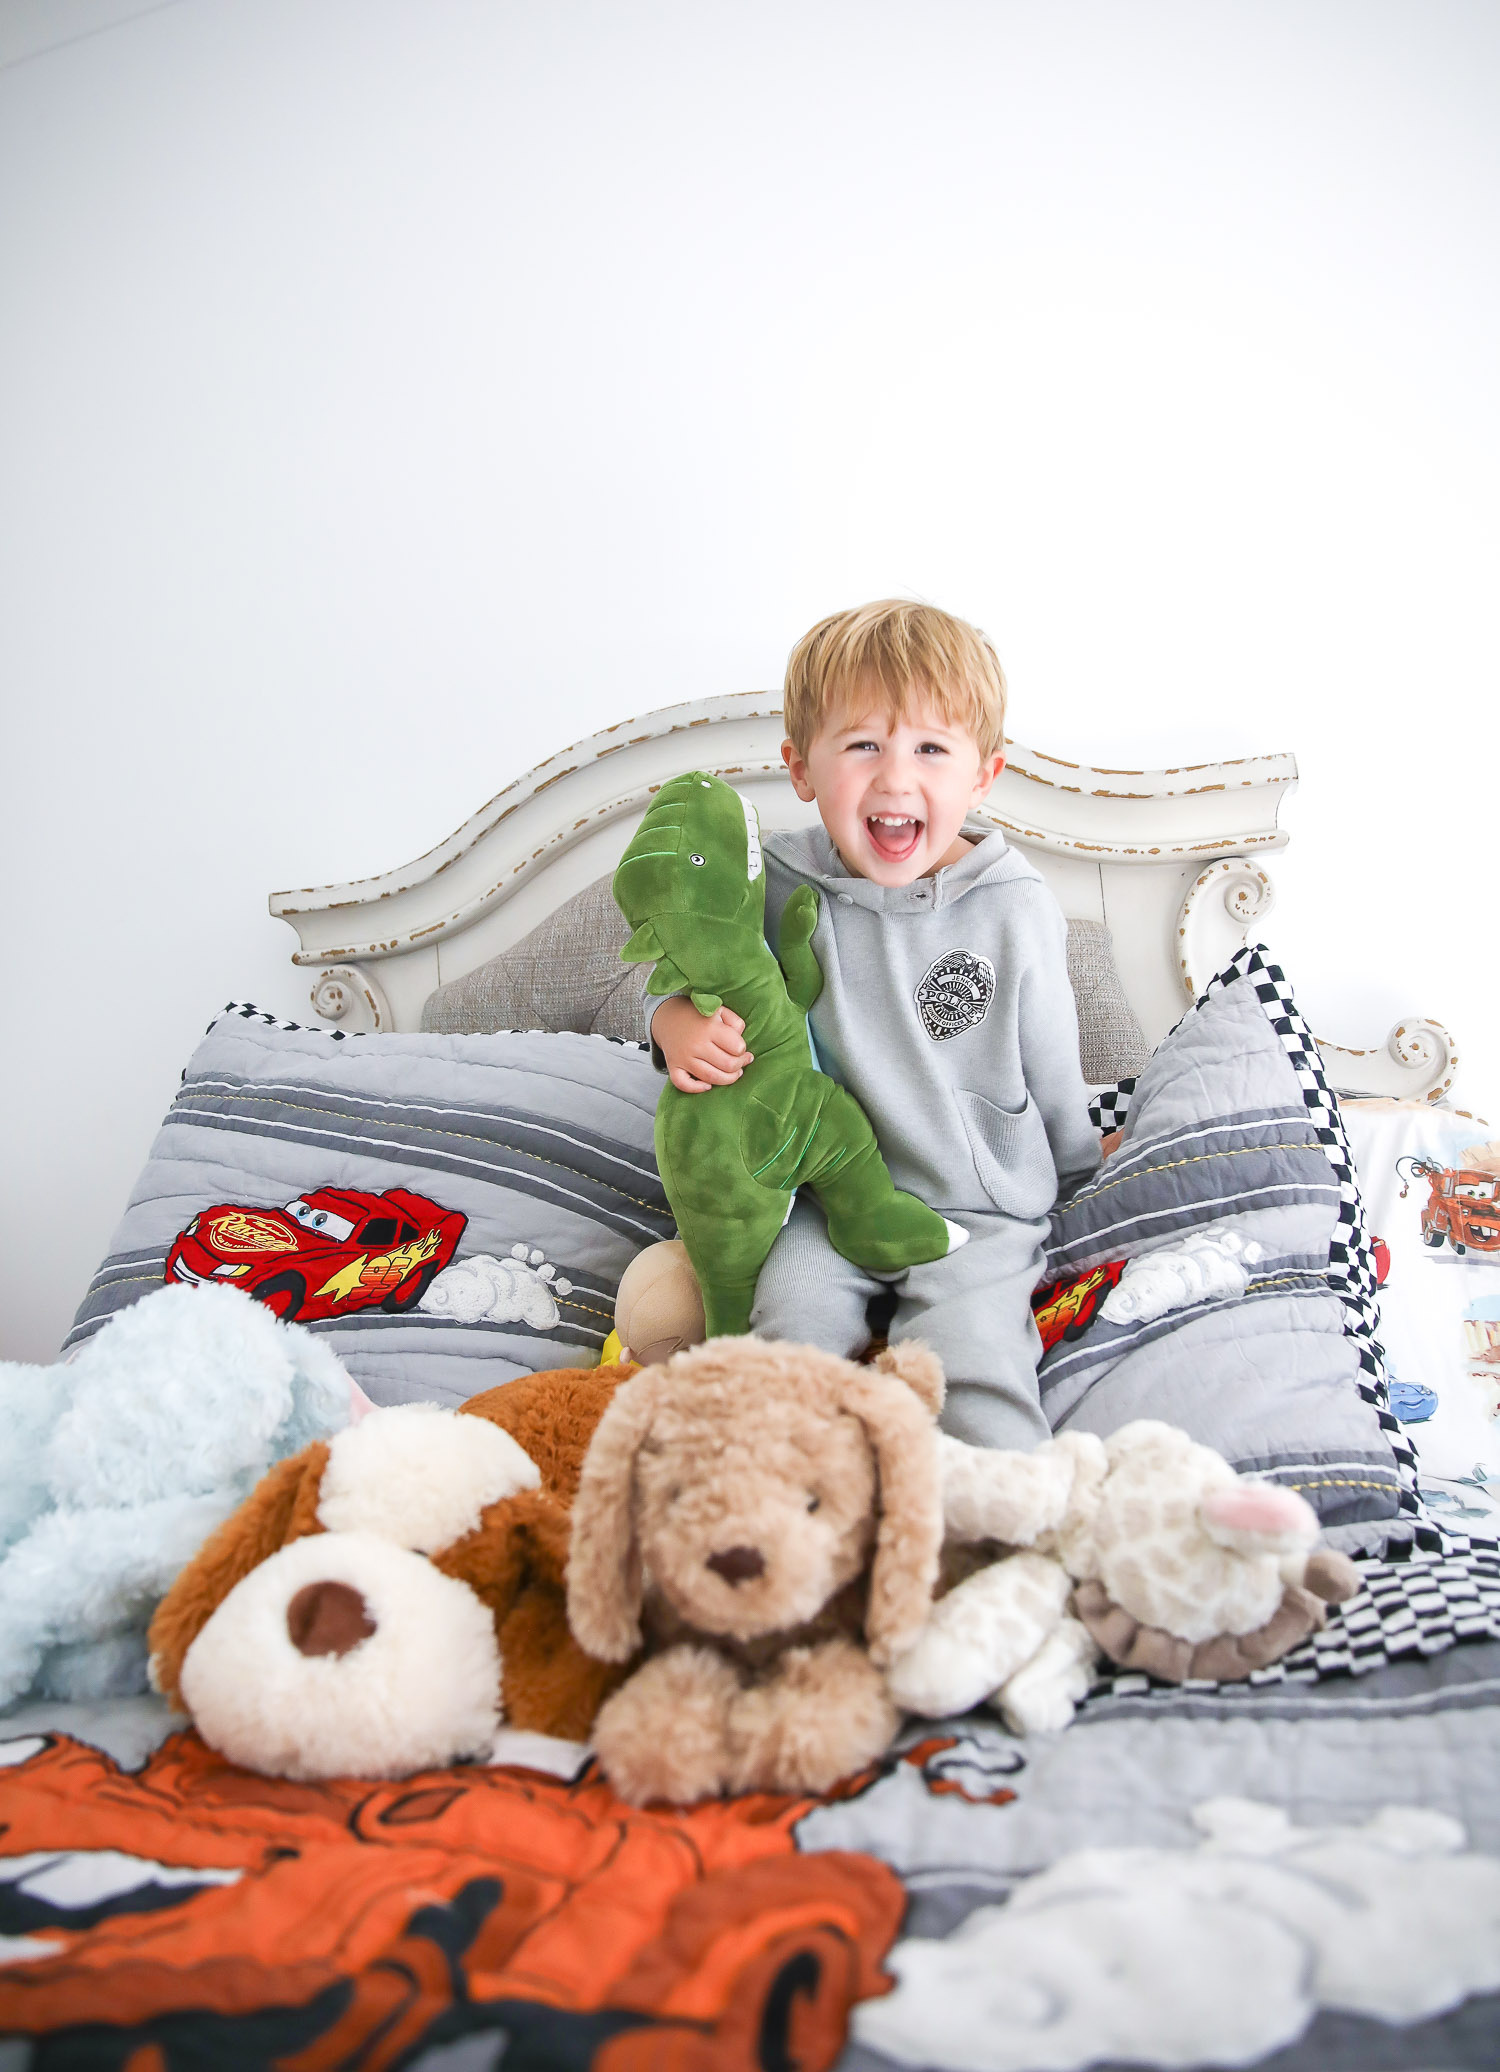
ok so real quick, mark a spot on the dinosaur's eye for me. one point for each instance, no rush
(695, 859)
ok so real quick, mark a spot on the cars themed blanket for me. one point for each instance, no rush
(1297, 1873)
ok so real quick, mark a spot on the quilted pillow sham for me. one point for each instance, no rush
(1232, 1128)
(451, 1211)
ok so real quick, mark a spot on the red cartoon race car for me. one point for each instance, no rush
(326, 1254)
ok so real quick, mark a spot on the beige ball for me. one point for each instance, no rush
(659, 1308)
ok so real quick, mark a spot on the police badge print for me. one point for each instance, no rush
(955, 994)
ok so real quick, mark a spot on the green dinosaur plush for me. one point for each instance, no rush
(692, 887)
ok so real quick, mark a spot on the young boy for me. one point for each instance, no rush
(945, 1009)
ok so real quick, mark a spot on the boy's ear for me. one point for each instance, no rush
(989, 770)
(796, 766)
(644, 946)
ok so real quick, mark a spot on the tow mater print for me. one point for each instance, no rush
(1462, 1206)
(327, 1253)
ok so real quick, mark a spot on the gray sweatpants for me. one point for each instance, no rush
(973, 1308)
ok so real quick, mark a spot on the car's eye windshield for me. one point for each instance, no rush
(323, 1221)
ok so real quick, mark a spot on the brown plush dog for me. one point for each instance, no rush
(785, 1507)
(379, 1602)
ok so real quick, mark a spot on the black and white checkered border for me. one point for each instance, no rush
(1351, 1253)
(249, 1012)
(1413, 1607)
(1110, 1106)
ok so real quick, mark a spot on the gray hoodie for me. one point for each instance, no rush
(946, 1010)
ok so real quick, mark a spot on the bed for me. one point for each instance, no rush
(1299, 1871)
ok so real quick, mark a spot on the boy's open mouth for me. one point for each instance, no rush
(893, 836)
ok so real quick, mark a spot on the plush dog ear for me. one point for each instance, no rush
(517, 1539)
(604, 1563)
(910, 1532)
(283, 1506)
(516, 1563)
(919, 1367)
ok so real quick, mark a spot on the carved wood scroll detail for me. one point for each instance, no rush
(1418, 1059)
(353, 999)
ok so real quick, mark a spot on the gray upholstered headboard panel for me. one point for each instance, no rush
(567, 974)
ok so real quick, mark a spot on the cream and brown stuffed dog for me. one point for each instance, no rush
(767, 1519)
(379, 1603)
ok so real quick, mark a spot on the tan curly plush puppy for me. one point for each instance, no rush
(767, 1519)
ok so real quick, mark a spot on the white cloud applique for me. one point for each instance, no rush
(522, 1289)
(1205, 1266)
(1215, 1954)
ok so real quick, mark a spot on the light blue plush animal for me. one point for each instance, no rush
(116, 1465)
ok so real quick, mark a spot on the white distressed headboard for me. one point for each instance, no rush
(1174, 861)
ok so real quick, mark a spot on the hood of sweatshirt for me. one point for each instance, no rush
(810, 853)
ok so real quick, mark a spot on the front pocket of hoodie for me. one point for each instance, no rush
(1011, 1155)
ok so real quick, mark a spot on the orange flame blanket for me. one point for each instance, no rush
(249, 1922)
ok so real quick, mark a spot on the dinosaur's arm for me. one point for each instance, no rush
(667, 977)
(799, 967)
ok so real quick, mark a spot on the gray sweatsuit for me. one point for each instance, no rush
(946, 1010)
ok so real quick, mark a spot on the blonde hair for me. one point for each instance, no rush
(889, 653)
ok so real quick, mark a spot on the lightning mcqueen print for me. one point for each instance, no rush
(328, 1253)
(1065, 1309)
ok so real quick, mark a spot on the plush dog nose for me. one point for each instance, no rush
(328, 1619)
(738, 1564)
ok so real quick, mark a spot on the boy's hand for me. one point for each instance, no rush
(701, 1050)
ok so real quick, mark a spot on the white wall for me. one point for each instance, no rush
(393, 390)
